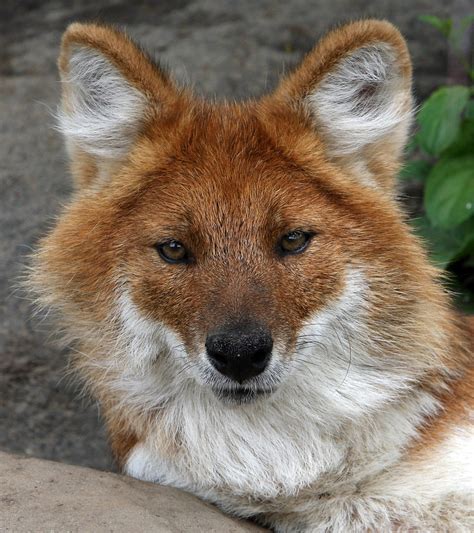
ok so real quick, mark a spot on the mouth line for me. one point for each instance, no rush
(241, 395)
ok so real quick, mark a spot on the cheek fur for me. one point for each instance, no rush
(144, 338)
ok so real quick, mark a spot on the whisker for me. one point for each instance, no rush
(350, 349)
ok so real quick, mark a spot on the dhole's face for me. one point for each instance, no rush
(236, 241)
(232, 253)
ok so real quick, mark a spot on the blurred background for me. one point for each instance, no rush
(229, 48)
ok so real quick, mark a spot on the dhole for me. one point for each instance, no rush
(249, 305)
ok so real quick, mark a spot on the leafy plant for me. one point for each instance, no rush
(443, 162)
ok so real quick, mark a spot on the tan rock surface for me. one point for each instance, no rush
(38, 495)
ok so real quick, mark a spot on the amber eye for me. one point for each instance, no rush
(294, 242)
(173, 252)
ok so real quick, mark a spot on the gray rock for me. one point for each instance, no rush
(38, 495)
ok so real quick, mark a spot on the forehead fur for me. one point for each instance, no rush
(241, 152)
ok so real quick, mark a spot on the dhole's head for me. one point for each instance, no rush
(231, 247)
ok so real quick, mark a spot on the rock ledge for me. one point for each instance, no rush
(38, 495)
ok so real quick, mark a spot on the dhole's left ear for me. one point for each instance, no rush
(354, 89)
(110, 91)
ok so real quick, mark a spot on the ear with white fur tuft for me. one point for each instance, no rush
(104, 111)
(355, 88)
(110, 91)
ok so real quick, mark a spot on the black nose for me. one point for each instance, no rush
(240, 353)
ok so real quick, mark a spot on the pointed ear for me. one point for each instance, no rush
(354, 90)
(110, 90)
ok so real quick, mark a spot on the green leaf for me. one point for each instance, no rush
(465, 233)
(469, 113)
(449, 192)
(445, 246)
(416, 170)
(443, 25)
(440, 118)
(411, 146)
(464, 142)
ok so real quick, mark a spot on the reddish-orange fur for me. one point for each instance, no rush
(228, 180)
(457, 401)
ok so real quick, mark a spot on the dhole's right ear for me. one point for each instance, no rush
(110, 91)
